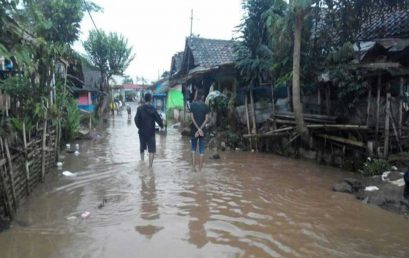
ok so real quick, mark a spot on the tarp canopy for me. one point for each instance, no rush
(175, 98)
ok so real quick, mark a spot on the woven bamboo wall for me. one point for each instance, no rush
(16, 182)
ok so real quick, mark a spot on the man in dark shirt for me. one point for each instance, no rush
(199, 114)
(145, 119)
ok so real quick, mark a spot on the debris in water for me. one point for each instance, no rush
(76, 153)
(77, 146)
(59, 164)
(385, 176)
(215, 156)
(68, 173)
(371, 188)
(68, 146)
(394, 168)
(71, 218)
(85, 214)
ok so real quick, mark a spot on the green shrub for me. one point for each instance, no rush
(71, 120)
(374, 167)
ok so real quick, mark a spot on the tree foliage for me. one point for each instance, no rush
(109, 52)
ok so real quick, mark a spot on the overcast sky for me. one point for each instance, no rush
(157, 29)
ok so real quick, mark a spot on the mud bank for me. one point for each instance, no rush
(386, 191)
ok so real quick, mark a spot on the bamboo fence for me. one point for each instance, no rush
(23, 165)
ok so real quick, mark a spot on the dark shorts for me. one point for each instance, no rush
(147, 142)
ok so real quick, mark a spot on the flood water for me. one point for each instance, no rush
(243, 205)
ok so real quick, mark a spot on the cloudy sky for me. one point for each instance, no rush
(157, 29)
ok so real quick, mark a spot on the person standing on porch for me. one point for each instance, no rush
(199, 114)
(145, 118)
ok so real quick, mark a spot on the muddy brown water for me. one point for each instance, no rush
(243, 205)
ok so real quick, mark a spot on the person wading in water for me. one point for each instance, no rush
(199, 114)
(145, 119)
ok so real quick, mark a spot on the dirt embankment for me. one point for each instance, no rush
(387, 191)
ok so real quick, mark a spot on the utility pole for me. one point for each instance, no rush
(191, 23)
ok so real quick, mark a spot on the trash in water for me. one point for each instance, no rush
(399, 182)
(85, 214)
(77, 146)
(68, 146)
(68, 173)
(76, 153)
(371, 188)
(71, 218)
(394, 168)
(385, 176)
(59, 164)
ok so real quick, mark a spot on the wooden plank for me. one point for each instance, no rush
(387, 123)
(368, 109)
(378, 99)
(400, 113)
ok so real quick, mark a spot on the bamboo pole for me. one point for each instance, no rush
(7, 200)
(342, 140)
(11, 173)
(400, 107)
(378, 99)
(387, 123)
(26, 159)
(368, 110)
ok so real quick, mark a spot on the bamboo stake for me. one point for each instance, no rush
(26, 158)
(368, 110)
(387, 123)
(400, 107)
(11, 173)
(378, 99)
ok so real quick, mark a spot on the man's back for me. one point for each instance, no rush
(145, 119)
(199, 110)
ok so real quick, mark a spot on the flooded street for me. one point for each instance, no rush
(243, 205)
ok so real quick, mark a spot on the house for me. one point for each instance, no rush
(84, 82)
(129, 91)
(205, 63)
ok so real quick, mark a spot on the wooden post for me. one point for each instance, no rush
(11, 174)
(388, 110)
(26, 160)
(328, 99)
(378, 99)
(248, 121)
(254, 129)
(400, 107)
(274, 106)
(368, 109)
(43, 149)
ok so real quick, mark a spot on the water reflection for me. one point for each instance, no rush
(199, 213)
(149, 206)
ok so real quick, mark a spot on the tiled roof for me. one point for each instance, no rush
(390, 25)
(177, 60)
(211, 52)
